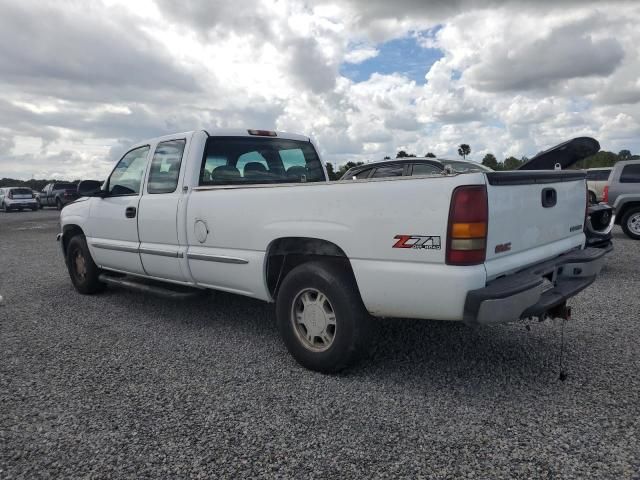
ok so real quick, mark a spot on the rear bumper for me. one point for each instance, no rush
(535, 290)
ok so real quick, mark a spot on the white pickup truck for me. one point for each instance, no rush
(252, 212)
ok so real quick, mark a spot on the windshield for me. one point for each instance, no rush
(21, 191)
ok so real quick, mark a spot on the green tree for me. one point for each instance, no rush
(430, 155)
(464, 150)
(330, 172)
(511, 163)
(402, 154)
(387, 157)
(624, 154)
(490, 161)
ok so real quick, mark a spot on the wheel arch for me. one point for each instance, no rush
(624, 208)
(285, 253)
(68, 232)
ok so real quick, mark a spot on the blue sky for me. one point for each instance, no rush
(403, 55)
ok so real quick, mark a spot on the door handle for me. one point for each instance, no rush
(130, 212)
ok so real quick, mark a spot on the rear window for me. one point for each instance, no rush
(630, 174)
(598, 175)
(21, 191)
(250, 161)
(64, 186)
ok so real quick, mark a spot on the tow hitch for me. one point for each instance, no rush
(559, 311)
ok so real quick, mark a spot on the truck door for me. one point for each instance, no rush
(160, 250)
(113, 220)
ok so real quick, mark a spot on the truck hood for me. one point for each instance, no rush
(565, 154)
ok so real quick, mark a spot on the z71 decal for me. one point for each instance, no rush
(417, 241)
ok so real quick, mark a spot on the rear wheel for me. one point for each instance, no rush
(321, 317)
(59, 204)
(83, 271)
(631, 223)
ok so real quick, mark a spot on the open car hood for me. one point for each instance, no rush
(565, 154)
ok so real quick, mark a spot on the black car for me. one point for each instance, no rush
(408, 166)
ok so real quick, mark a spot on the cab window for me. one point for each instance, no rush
(165, 167)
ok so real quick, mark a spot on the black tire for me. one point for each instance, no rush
(87, 283)
(59, 204)
(351, 321)
(39, 204)
(5, 208)
(592, 198)
(630, 219)
(35, 209)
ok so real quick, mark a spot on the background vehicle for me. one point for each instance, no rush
(596, 181)
(623, 194)
(57, 195)
(252, 212)
(17, 198)
(408, 166)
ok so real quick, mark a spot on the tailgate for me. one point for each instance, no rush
(533, 216)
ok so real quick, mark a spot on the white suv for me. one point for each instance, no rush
(17, 198)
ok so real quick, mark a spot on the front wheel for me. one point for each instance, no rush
(5, 208)
(83, 271)
(59, 204)
(321, 317)
(631, 223)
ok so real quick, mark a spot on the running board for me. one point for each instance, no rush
(162, 289)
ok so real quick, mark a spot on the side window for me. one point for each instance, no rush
(388, 171)
(165, 167)
(425, 169)
(630, 174)
(127, 176)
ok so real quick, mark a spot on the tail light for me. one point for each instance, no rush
(10, 195)
(467, 230)
(605, 194)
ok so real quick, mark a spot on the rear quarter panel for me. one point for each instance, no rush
(361, 217)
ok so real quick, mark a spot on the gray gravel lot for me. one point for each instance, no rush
(126, 385)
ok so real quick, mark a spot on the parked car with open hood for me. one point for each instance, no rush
(600, 218)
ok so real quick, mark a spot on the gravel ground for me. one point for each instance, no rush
(127, 385)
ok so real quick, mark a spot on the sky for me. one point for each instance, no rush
(82, 80)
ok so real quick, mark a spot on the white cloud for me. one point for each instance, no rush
(514, 78)
(359, 55)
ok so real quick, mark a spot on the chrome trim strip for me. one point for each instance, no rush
(118, 248)
(216, 258)
(161, 253)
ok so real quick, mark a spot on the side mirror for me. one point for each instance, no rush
(90, 188)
